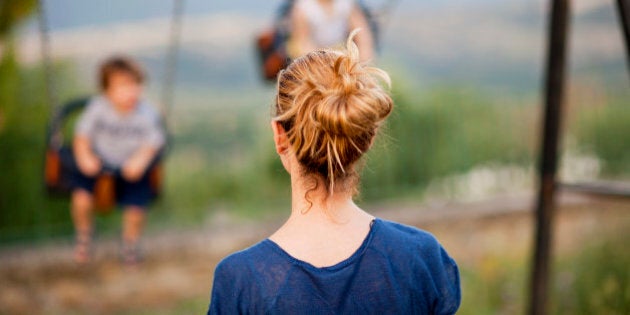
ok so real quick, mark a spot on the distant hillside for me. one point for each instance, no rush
(489, 44)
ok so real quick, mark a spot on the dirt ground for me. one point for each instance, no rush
(178, 266)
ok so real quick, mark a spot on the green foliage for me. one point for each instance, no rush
(228, 158)
(25, 211)
(597, 281)
(224, 159)
(494, 286)
(446, 132)
(604, 131)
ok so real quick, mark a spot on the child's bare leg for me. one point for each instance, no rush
(81, 210)
(133, 223)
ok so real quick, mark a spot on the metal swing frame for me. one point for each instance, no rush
(552, 116)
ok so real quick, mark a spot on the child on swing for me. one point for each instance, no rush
(120, 130)
(326, 24)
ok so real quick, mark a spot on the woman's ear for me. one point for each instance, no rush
(279, 137)
(282, 145)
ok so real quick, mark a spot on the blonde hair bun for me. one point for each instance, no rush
(331, 106)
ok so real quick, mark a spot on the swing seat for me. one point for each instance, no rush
(60, 165)
(272, 55)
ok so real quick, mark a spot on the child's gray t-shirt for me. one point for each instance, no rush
(115, 137)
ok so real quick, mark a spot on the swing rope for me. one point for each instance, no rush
(172, 56)
(49, 83)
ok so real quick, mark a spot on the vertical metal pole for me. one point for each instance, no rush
(554, 97)
(173, 52)
(623, 8)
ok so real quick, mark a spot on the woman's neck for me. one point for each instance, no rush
(310, 200)
(322, 230)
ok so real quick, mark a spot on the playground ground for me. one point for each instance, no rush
(176, 275)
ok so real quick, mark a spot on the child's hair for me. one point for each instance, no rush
(118, 64)
(331, 106)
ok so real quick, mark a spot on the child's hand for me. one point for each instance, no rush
(87, 161)
(136, 166)
(89, 165)
(133, 169)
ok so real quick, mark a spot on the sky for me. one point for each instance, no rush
(72, 13)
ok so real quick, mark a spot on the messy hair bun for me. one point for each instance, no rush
(331, 106)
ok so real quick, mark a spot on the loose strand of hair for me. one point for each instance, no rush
(336, 154)
(331, 171)
(308, 192)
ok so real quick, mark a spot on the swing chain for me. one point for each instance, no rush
(172, 56)
(51, 96)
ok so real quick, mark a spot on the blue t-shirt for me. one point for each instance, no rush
(398, 269)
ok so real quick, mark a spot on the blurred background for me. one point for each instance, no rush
(457, 157)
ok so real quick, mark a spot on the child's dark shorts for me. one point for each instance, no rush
(128, 193)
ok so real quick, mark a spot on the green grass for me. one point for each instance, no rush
(596, 280)
(188, 306)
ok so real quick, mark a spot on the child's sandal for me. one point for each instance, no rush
(130, 254)
(83, 249)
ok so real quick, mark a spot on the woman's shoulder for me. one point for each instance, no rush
(410, 246)
(406, 234)
(410, 243)
(244, 260)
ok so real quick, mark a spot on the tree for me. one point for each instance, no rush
(12, 12)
